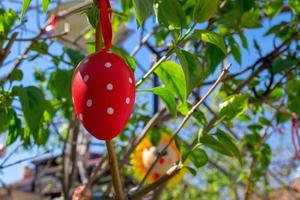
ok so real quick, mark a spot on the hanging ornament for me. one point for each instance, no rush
(2, 146)
(70, 30)
(78, 195)
(146, 153)
(103, 87)
(2, 150)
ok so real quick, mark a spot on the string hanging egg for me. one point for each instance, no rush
(103, 87)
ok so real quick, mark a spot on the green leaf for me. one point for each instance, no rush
(59, 84)
(129, 60)
(198, 157)
(184, 108)
(233, 107)
(257, 46)
(227, 142)
(282, 117)
(293, 93)
(171, 14)
(126, 5)
(75, 56)
(93, 16)
(172, 76)
(277, 28)
(244, 40)
(40, 47)
(154, 136)
(14, 130)
(265, 158)
(277, 93)
(264, 121)
(294, 6)
(191, 170)
(205, 9)
(25, 7)
(211, 37)
(143, 9)
(192, 69)
(235, 50)
(213, 56)
(213, 143)
(245, 5)
(167, 97)
(45, 4)
(250, 19)
(33, 106)
(283, 63)
(51, 107)
(17, 75)
(255, 127)
(7, 19)
(41, 137)
(273, 7)
(5, 118)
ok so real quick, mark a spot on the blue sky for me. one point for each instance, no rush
(14, 173)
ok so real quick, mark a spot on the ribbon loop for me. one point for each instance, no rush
(105, 20)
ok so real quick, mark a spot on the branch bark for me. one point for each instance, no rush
(152, 186)
(114, 168)
(6, 50)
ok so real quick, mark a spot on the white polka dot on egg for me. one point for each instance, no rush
(89, 103)
(80, 116)
(109, 86)
(108, 65)
(130, 80)
(86, 78)
(110, 110)
(127, 100)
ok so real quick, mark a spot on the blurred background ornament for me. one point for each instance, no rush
(2, 150)
(73, 30)
(146, 153)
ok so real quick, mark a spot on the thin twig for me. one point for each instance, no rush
(152, 122)
(94, 174)
(11, 153)
(23, 56)
(114, 168)
(162, 59)
(141, 43)
(185, 119)
(8, 47)
(152, 186)
(23, 160)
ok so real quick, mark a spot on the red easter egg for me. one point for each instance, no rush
(103, 90)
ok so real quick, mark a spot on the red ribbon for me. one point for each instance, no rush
(105, 20)
(296, 138)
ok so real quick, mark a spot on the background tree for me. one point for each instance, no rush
(241, 118)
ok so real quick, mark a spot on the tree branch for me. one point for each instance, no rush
(114, 168)
(185, 119)
(152, 186)
(94, 174)
(162, 59)
(8, 47)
